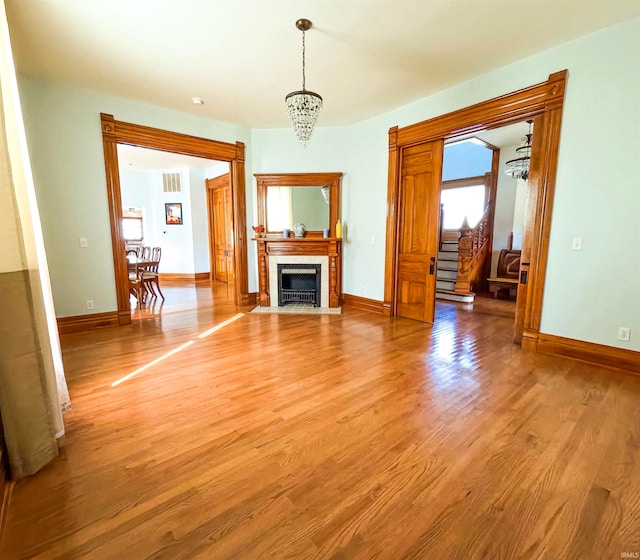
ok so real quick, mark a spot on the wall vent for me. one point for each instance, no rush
(171, 182)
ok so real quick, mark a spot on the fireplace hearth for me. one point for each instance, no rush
(299, 283)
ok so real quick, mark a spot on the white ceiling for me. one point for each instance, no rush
(242, 57)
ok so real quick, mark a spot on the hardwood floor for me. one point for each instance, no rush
(332, 436)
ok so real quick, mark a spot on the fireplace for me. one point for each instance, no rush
(299, 283)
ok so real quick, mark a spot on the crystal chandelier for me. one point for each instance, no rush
(518, 168)
(303, 107)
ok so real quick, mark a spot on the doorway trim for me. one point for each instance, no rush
(541, 102)
(119, 132)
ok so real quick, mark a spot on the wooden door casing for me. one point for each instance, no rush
(541, 102)
(419, 209)
(119, 132)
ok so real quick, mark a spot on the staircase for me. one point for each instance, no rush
(447, 273)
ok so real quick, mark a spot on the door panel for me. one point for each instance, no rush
(220, 234)
(228, 227)
(419, 212)
(221, 229)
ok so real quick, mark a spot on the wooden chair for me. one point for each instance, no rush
(507, 272)
(136, 281)
(150, 276)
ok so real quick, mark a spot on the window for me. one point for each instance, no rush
(132, 229)
(459, 202)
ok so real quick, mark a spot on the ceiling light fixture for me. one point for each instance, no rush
(518, 168)
(303, 107)
(197, 101)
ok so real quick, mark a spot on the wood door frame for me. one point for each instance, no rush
(543, 103)
(220, 182)
(119, 132)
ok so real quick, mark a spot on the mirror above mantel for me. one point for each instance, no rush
(288, 198)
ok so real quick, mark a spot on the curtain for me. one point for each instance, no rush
(33, 390)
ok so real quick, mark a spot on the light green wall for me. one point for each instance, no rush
(588, 294)
(65, 143)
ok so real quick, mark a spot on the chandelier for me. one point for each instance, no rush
(303, 107)
(518, 168)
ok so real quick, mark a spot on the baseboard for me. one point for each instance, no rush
(197, 276)
(79, 323)
(589, 352)
(253, 298)
(362, 303)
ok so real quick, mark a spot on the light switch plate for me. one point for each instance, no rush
(84, 242)
(576, 244)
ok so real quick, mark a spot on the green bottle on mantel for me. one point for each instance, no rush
(339, 230)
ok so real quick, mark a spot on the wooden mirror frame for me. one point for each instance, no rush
(331, 180)
(118, 132)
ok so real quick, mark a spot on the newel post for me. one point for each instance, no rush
(465, 254)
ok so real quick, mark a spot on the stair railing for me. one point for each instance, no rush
(472, 250)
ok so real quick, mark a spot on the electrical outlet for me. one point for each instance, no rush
(90, 304)
(624, 333)
(364, 290)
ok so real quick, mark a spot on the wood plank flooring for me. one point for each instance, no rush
(332, 436)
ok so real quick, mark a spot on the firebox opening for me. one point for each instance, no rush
(299, 283)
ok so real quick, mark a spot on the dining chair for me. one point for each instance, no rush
(151, 276)
(136, 276)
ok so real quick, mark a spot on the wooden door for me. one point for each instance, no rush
(418, 228)
(220, 207)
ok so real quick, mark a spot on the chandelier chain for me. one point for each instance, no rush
(303, 63)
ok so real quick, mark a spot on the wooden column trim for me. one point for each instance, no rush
(391, 250)
(238, 195)
(119, 132)
(544, 172)
(109, 143)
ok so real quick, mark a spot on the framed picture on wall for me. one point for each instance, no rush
(173, 213)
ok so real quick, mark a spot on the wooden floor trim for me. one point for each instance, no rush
(184, 276)
(79, 323)
(589, 352)
(364, 304)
